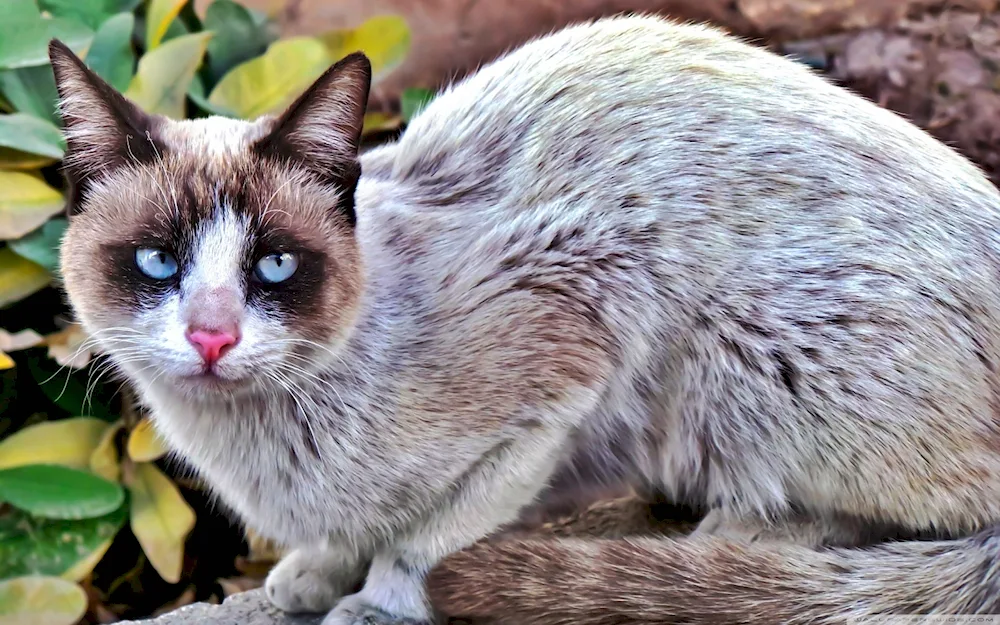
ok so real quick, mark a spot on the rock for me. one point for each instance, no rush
(246, 608)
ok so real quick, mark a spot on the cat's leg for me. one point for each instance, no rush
(488, 496)
(314, 579)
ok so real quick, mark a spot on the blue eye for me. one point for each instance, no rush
(275, 268)
(156, 264)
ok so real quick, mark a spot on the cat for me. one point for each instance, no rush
(641, 245)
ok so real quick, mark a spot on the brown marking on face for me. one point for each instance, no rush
(298, 201)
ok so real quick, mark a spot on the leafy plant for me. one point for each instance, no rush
(70, 483)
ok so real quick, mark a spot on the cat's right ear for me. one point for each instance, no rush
(103, 129)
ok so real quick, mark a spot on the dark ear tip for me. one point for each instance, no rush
(359, 60)
(58, 50)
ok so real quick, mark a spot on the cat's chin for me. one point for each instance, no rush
(207, 385)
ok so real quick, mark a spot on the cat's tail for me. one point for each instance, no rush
(707, 580)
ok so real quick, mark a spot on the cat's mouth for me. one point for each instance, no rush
(209, 379)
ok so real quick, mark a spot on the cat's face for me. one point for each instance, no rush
(213, 256)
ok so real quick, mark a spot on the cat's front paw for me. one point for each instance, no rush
(312, 580)
(355, 610)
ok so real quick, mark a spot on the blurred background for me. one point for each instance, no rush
(97, 521)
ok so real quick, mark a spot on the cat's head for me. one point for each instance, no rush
(214, 254)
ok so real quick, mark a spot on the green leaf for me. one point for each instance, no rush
(41, 246)
(196, 92)
(238, 37)
(26, 202)
(159, 15)
(413, 101)
(271, 81)
(111, 54)
(38, 600)
(32, 545)
(57, 492)
(68, 389)
(27, 133)
(19, 277)
(384, 39)
(32, 90)
(25, 34)
(165, 74)
(88, 12)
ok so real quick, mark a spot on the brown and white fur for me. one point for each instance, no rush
(646, 244)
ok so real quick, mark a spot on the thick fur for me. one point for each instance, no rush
(686, 259)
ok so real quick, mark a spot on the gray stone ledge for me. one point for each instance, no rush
(245, 608)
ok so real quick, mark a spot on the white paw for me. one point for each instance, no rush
(355, 610)
(311, 580)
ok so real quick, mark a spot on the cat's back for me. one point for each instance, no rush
(641, 100)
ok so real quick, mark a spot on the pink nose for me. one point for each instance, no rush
(212, 344)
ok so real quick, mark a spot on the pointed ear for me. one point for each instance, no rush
(321, 130)
(103, 130)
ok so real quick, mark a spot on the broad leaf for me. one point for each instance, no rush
(385, 40)
(69, 347)
(270, 82)
(15, 160)
(28, 133)
(165, 74)
(111, 54)
(197, 94)
(88, 12)
(68, 389)
(380, 122)
(35, 546)
(42, 245)
(144, 443)
(25, 339)
(25, 34)
(19, 277)
(158, 18)
(413, 101)
(26, 202)
(160, 518)
(38, 600)
(57, 492)
(69, 442)
(104, 461)
(238, 37)
(32, 90)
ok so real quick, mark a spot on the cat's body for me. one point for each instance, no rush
(640, 243)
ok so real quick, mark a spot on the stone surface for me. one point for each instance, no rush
(247, 608)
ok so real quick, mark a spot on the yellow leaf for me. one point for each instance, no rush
(26, 202)
(18, 160)
(144, 444)
(161, 519)
(377, 122)
(104, 458)
(6, 362)
(384, 39)
(85, 567)
(66, 347)
(19, 277)
(162, 79)
(270, 82)
(158, 17)
(41, 600)
(69, 442)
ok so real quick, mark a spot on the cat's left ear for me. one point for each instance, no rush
(322, 128)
